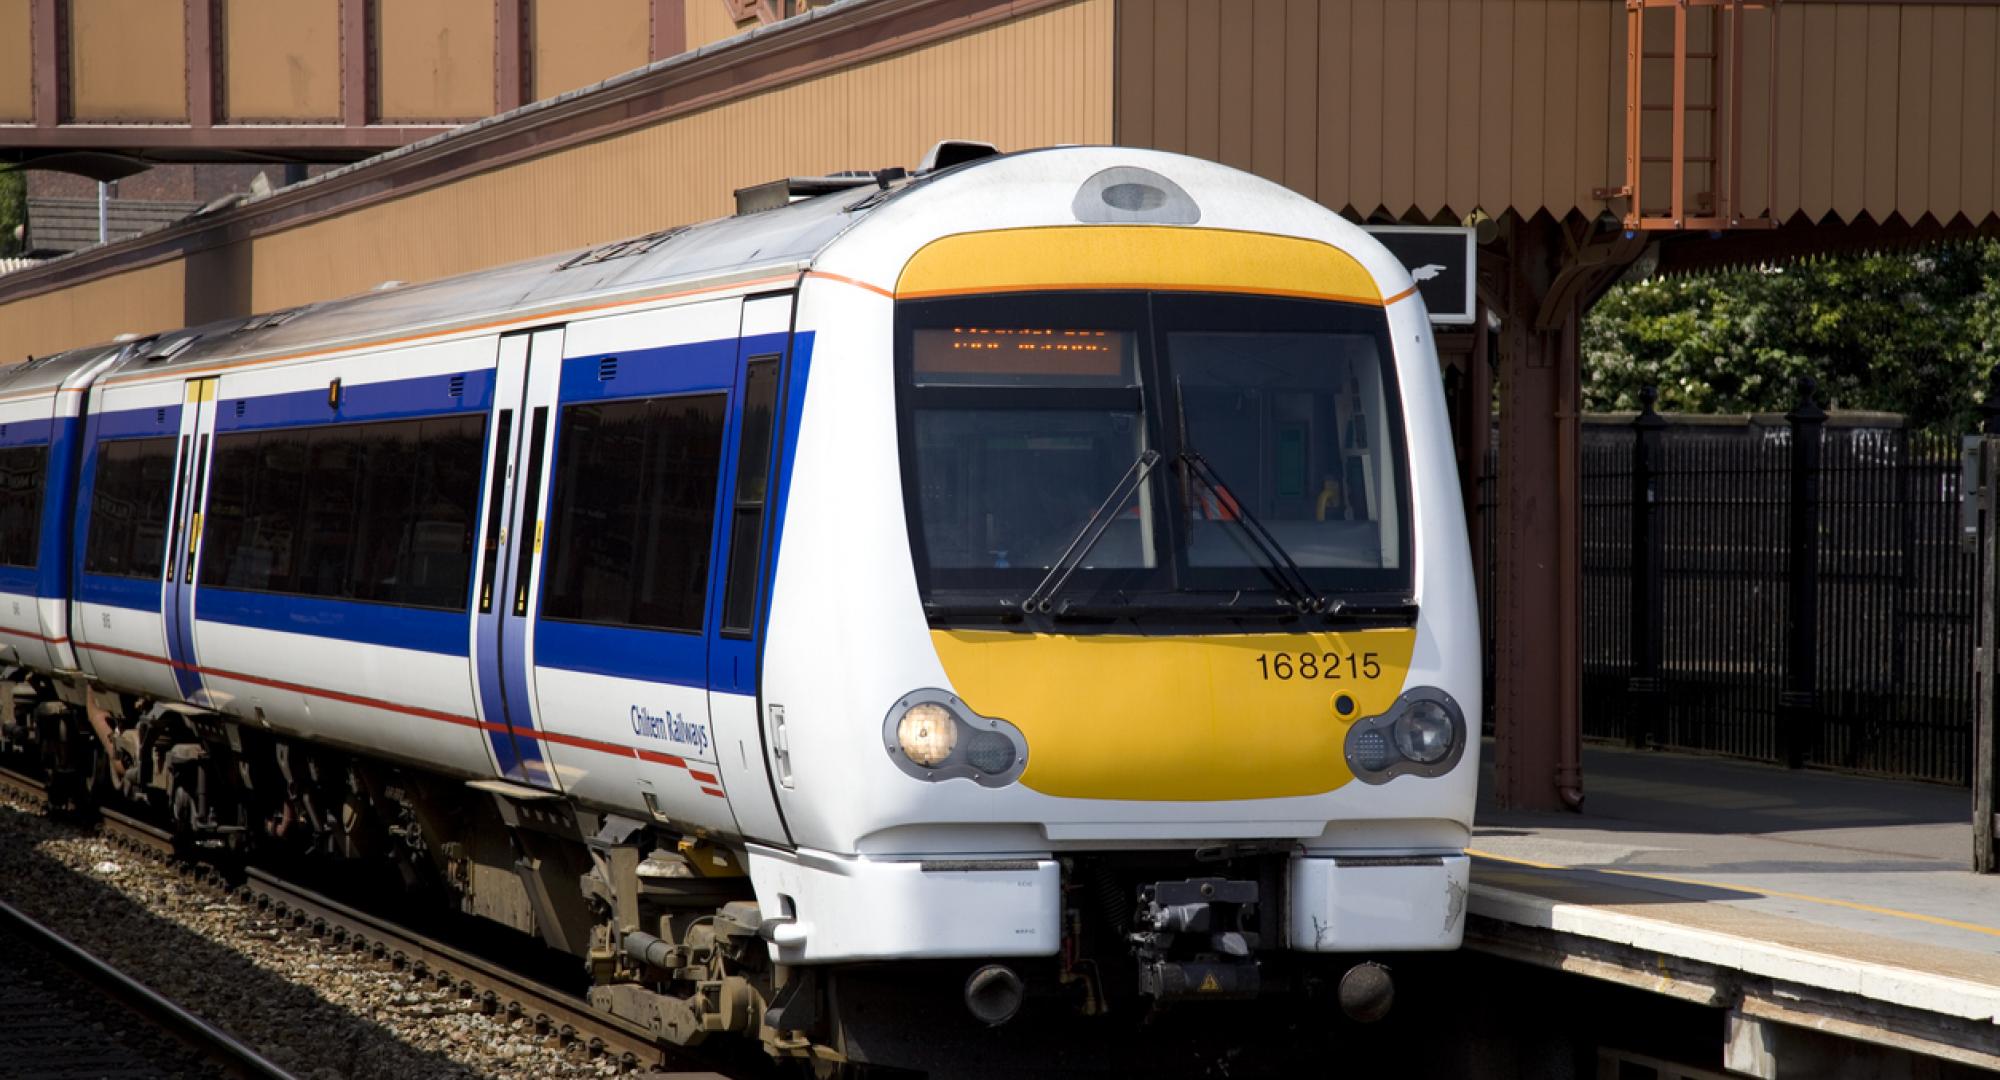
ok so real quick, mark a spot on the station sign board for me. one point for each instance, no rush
(1444, 262)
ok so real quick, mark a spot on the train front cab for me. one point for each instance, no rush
(1165, 636)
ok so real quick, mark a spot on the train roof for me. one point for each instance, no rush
(993, 192)
(745, 246)
(51, 371)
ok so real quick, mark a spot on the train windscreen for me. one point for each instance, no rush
(1181, 446)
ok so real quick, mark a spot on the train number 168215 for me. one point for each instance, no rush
(1285, 666)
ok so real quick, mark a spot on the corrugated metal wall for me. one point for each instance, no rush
(708, 23)
(1887, 108)
(1401, 105)
(1429, 107)
(142, 301)
(568, 52)
(1035, 80)
(1042, 79)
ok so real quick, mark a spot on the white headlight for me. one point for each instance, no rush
(1424, 733)
(927, 734)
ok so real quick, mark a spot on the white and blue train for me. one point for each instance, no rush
(1044, 574)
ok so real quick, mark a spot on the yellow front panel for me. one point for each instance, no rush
(1135, 257)
(1210, 717)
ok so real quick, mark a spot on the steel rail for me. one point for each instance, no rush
(220, 1047)
(554, 1013)
(23, 786)
(565, 1016)
(137, 833)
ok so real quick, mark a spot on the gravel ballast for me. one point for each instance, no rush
(316, 1009)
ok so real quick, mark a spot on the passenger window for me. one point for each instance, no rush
(128, 507)
(256, 490)
(753, 470)
(634, 508)
(375, 512)
(21, 471)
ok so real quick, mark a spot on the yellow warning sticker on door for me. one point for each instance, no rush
(1209, 985)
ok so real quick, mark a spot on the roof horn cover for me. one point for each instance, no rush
(1126, 194)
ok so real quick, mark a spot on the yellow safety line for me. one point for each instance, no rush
(1775, 894)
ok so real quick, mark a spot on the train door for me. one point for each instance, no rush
(735, 625)
(528, 371)
(625, 607)
(184, 537)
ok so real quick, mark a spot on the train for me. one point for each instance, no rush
(1034, 581)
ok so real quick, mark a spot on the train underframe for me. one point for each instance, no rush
(666, 924)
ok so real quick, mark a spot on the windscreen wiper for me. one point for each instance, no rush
(1371, 607)
(1285, 570)
(1093, 530)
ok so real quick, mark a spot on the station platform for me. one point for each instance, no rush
(1816, 909)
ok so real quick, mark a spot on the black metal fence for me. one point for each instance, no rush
(1789, 588)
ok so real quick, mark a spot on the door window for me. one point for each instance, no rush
(128, 507)
(634, 511)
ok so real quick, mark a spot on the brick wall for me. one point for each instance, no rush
(162, 183)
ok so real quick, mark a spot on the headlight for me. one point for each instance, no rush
(927, 734)
(934, 735)
(1424, 733)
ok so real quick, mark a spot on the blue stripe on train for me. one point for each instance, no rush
(15, 433)
(136, 594)
(669, 369)
(57, 521)
(622, 652)
(134, 423)
(421, 629)
(781, 485)
(400, 399)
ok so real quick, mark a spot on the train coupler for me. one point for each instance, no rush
(1195, 940)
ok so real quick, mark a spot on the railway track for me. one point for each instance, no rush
(563, 1018)
(49, 1038)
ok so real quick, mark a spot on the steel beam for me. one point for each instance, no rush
(1537, 678)
(510, 54)
(50, 70)
(1985, 755)
(356, 63)
(669, 28)
(199, 19)
(285, 139)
